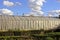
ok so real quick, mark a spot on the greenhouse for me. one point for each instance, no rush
(29, 28)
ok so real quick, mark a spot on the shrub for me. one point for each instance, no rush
(49, 38)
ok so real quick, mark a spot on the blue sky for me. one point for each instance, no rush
(24, 8)
(51, 5)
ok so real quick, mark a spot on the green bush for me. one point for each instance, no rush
(49, 38)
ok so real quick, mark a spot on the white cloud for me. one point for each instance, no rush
(6, 12)
(8, 3)
(50, 15)
(39, 2)
(31, 0)
(33, 13)
(57, 11)
(53, 12)
(18, 3)
(36, 6)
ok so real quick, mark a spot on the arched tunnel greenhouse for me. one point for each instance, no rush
(29, 28)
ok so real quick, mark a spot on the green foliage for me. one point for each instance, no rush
(49, 38)
(54, 33)
(40, 35)
(57, 33)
